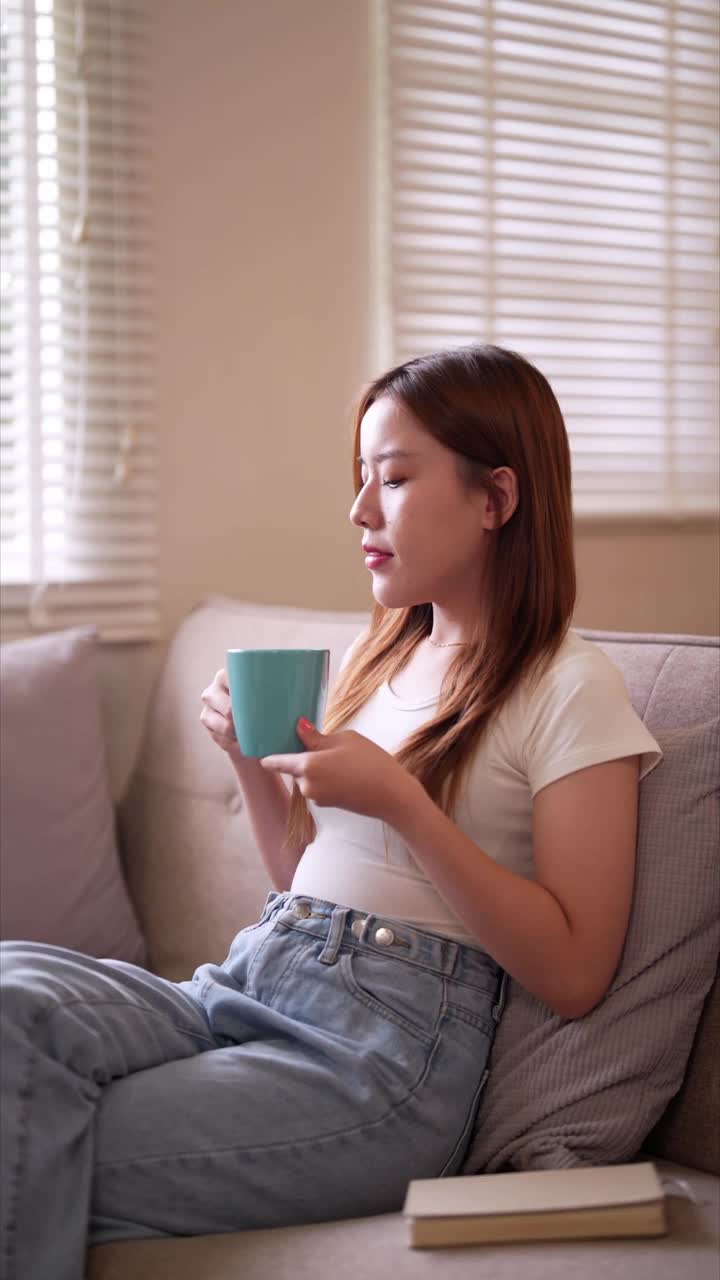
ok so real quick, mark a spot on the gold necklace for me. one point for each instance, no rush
(454, 644)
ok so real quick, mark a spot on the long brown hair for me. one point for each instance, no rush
(492, 408)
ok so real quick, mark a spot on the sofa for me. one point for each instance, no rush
(194, 877)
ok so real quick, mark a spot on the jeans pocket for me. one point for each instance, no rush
(406, 995)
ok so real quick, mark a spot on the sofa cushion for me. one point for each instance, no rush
(673, 681)
(689, 1131)
(588, 1090)
(60, 877)
(364, 1248)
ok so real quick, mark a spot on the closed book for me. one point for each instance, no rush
(544, 1204)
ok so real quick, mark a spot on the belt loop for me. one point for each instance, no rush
(328, 955)
(502, 997)
(449, 953)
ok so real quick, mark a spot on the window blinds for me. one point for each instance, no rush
(77, 478)
(547, 179)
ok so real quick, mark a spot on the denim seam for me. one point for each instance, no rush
(463, 1137)
(474, 986)
(24, 1098)
(24, 1095)
(289, 969)
(41, 1017)
(315, 1140)
(386, 952)
(420, 964)
(472, 1019)
(250, 990)
(143, 1008)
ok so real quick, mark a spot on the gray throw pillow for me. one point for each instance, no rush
(589, 1090)
(60, 875)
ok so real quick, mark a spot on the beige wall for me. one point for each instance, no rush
(649, 576)
(262, 232)
(264, 338)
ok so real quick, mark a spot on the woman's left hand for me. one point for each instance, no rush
(346, 771)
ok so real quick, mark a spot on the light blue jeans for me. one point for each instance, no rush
(331, 1058)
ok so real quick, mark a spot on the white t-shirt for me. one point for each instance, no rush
(577, 715)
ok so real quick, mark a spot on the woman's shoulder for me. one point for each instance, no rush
(577, 660)
(577, 714)
(578, 672)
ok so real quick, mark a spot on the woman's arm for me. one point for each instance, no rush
(266, 797)
(267, 801)
(561, 935)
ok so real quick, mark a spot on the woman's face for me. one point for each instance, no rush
(416, 507)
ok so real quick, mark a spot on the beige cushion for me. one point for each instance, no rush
(61, 880)
(193, 868)
(372, 1248)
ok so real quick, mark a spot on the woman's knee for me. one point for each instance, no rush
(27, 981)
(36, 979)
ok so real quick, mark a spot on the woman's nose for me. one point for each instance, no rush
(357, 511)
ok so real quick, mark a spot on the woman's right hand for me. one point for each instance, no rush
(217, 717)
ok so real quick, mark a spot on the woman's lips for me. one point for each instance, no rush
(375, 559)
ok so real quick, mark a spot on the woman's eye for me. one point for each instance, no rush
(393, 484)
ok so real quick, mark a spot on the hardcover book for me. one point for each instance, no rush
(546, 1204)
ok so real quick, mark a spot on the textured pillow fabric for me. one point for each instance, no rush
(60, 876)
(688, 1132)
(589, 1090)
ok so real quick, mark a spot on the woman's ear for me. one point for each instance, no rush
(501, 499)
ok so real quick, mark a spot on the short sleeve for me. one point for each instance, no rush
(579, 715)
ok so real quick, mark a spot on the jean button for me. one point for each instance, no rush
(302, 910)
(357, 927)
(384, 937)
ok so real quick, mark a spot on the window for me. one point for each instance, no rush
(547, 179)
(79, 540)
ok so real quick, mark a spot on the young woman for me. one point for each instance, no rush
(468, 813)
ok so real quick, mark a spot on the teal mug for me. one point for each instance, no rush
(269, 690)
